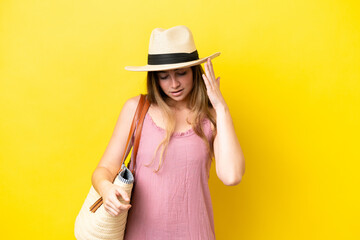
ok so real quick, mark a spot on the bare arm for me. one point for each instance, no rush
(106, 170)
(229, 158)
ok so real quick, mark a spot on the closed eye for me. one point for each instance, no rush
(165, 77)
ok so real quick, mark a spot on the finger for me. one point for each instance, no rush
(114, 212)
(111, 212)
(211, 69)
(207, 84)
(123, 194)
(111, 209)
(117, 206)
(120, 203)
(218, 81)
(121, 206)
(208, 75)
(115, 202)
(125, 207)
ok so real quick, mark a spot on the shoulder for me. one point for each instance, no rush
(130, 105)
(128, 111)
(132, 102)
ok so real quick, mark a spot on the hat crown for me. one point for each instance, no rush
(178, 39)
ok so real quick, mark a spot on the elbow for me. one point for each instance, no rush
(232, 181)
(231, 177)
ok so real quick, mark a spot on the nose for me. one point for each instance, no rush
(174, 82)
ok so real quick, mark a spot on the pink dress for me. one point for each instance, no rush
(175, 202)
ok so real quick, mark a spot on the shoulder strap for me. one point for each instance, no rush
(138, 133)
(132, 129)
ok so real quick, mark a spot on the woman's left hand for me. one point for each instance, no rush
(213, 86)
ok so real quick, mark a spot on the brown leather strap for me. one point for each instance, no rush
(138, 119)
(132, 129)
(138, 133)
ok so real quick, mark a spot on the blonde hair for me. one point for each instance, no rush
(199, 104)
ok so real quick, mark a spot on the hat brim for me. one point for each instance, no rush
(170, 66)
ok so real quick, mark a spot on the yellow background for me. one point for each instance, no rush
(289, 73)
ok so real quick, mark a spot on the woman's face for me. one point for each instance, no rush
(176, 84)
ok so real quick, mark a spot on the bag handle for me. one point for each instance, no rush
(138, 133)
(138, 119)
(132, 130)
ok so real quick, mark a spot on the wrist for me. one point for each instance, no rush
(103, 186)
(221, 109)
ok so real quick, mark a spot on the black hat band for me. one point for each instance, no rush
(169, 58)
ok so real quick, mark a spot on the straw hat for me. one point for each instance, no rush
(171, 49)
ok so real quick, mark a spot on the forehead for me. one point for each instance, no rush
(172, 70)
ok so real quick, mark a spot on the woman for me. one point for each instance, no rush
(188, 123)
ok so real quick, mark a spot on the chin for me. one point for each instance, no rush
(179, 98)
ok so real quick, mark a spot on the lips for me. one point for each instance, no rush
(177, 91)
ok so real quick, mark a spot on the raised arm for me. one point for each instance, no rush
(229, 158)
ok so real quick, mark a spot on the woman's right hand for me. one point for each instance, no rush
(115, 199)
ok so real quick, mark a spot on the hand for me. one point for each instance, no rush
(213, 86)
(115, 199)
